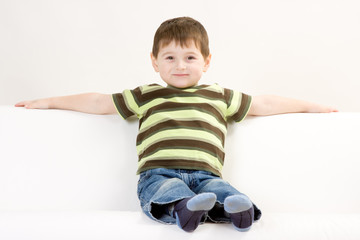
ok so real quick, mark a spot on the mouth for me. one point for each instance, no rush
(181, 75)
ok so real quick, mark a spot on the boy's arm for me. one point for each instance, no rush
(270, 105)
(94, 103)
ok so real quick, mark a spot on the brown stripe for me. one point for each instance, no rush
(178, 164)
(210, 94)
(142, 99)
(245, 104)
(184, 144)
(121, 106)
(173, 124)
(228, 94)
(171, 106)
(137, 94)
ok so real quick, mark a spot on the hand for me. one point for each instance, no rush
(316, 108)
(35, 104)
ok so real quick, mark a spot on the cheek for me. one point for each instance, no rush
(197, 69)
(165, 68)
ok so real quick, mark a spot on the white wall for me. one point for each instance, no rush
(307, 49)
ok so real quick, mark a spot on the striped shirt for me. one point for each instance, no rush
(182, 128)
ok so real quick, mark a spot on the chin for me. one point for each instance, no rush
(183, 84)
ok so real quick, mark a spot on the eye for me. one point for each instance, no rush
(169, 58)
(191, 58)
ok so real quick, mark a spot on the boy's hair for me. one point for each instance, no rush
(181, 30)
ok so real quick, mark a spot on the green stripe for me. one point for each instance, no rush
(183, 115)
(179, 127)
(198, 156)
(170, 136)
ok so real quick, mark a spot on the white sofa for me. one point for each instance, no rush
(68, 175)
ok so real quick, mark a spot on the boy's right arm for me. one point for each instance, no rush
(94, 103)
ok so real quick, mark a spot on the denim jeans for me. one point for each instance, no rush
(157, 188)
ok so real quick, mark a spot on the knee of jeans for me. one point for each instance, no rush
(221, 188)
(215, 184)
(169, 183)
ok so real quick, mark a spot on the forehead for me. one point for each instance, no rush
(177, 46)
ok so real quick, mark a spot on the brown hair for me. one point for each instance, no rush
(182, 30)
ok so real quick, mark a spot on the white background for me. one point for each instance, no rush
(307, 49)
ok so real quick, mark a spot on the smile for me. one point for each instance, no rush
(180, 75)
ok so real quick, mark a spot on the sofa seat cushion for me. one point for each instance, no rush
(103, 225)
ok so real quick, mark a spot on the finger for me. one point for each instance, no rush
(25, 104)
(20, 104)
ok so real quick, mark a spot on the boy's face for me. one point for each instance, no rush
(180, 67)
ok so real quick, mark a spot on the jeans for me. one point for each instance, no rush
(160, 187)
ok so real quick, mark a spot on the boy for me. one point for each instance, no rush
(182, 129)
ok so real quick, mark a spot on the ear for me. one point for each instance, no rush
(207, 63)
(154, 63)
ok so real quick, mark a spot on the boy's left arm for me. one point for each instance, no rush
(270, 105)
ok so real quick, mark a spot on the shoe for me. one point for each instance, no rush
(241, 211)
(189, 211)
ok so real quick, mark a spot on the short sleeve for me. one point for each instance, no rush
(238, 105)
(126, 103)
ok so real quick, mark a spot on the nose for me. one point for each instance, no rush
(180, 65)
